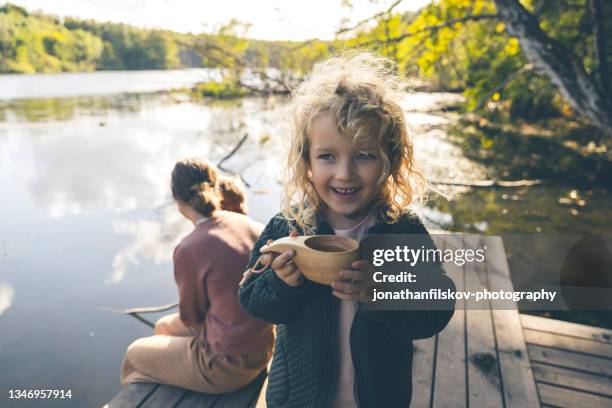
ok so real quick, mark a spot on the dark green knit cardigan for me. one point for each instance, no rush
(305, 366)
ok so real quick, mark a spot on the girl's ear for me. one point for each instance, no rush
(309, 173)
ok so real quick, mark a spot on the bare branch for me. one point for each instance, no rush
(234, 150)
(448, 23)
(505, 83)
(205, 50)
(354, 27)
(489, 183)
(367, 20)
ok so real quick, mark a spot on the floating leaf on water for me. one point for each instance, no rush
(565, 201)
(265, 138)
(573, 194)
(573, 211)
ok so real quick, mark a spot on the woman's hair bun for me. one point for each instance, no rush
(194, 182)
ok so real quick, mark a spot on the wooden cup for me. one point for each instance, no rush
(319, 257)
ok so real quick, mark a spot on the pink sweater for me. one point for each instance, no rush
(208, 264)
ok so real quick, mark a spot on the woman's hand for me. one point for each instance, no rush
(284, 267)
(355, 284)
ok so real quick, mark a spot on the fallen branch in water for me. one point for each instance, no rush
(489, 183)
(136, 311)
(234, 150)
(230, 154)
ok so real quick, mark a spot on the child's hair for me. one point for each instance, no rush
(233, 195)
(194, 182)
(362, 92)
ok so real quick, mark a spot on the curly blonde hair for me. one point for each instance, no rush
(362, 92)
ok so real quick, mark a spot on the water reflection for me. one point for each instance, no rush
(527, 209)
(7, 293)
(153, 240)
(100, 82)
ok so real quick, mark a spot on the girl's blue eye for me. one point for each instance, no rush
(365, 156)
(326, 156)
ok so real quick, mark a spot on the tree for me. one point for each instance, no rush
(559, 64)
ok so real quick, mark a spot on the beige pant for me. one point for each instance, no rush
(178, 355)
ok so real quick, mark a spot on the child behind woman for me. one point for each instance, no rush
(351, 172)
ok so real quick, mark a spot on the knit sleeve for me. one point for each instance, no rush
(265, 295)
(193, 300)
(418, 324)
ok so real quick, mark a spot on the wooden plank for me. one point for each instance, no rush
(566, 328)
(568, 343)
(569, 359)
(422, 371)
(517, 378)
(450, 381)
(245, 397)
(164, 396)
(484, 383)
(132, 395)
(565, 398)
(197, 399)
(573, 379)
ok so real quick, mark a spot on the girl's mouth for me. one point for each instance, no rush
(345, 193)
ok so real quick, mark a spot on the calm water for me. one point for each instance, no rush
(87, 224)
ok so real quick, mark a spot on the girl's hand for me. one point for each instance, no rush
(284, 267)
(355, 284)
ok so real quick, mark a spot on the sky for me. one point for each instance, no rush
(270, 19)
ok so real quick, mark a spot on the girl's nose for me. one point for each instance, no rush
(346, 170)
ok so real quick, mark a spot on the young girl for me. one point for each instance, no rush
(212, 345)
(350, 172)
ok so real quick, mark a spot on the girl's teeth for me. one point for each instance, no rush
(345, 190)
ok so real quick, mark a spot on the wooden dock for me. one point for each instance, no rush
(483, 358)
(148, 395)
(572, 363)
(499, 358)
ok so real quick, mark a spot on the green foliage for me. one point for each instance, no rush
(219, 90)
(478, 56)
(35, 43)
(32, 43)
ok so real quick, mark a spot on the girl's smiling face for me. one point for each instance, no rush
(344, 175)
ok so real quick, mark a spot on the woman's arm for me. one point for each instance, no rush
(193, 300)
(265, 295)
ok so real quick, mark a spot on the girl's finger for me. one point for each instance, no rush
(351, 274)
(361, 264)
(347, 287)
(351, 296)
(342, 295)
(290, 269)
(282, 259)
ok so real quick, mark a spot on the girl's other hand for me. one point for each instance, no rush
(356, 283)
(284, 267)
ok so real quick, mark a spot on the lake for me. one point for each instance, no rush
(88, 226)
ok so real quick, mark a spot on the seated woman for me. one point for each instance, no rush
(212, 345)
